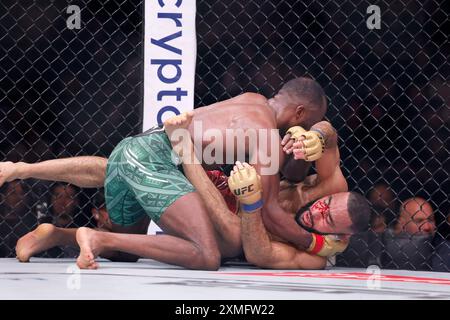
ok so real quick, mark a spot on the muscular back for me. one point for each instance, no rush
(245, 112)
(250, 111)
(242, 113)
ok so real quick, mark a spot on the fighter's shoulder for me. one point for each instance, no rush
(251, 98)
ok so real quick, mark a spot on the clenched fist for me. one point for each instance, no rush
(245, 184)
(307, 145)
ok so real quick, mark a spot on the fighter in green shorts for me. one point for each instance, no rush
(142, 178)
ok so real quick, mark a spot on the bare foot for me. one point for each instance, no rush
(181, 121)
(36, 241)
(86, 241)
(177, 130)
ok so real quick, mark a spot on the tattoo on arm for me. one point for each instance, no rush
(328, 132)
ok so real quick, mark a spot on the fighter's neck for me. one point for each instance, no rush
(272, 110)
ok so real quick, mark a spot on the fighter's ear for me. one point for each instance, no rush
(300, 111)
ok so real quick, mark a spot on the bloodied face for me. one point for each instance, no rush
(328, 215)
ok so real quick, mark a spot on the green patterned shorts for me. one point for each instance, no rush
(142, 178)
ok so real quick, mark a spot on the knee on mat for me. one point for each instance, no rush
(206, 259)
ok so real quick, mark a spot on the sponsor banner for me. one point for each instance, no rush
(170, 51)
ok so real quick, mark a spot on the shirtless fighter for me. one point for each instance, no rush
(142, 182)
(228, 227)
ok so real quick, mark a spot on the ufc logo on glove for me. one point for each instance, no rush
(243, 190)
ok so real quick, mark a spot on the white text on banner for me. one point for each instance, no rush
(170, 50)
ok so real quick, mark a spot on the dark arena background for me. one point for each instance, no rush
(79, 92)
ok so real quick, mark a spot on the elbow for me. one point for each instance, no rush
(323, 264)
(336, 182)
(252, 259)
(258, 259)
(319, 265)
(344, 186)
(340, 183)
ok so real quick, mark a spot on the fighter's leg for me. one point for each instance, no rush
(47, 236)
(44, 237)
(140, 227)
(226, 223)
(221, 207)
(142, 177)
(189, 240)
(125, 213)
(83, 171)
(188, 219)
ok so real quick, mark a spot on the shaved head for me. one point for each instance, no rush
(309, 93)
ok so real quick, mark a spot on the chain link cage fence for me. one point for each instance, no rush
(66, 93)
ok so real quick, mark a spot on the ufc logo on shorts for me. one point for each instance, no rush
(243, 190)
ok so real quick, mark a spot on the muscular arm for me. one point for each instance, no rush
(225, 222)
(276, 220)
(265, 253)
(279, 222)
(329, 175)
(84, 171)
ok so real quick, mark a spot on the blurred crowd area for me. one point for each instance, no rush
(79, 92)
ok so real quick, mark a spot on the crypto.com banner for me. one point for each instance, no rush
(170, 50)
